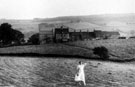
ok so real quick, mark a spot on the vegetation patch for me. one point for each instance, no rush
(102, 52)
(119, 49)
(47, 50)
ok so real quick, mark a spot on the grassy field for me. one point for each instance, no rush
(48, 49)
(60, 72)
(118, 48)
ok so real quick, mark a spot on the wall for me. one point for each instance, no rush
(46, 33)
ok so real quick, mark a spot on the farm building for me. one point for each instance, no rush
(81, 35)
(52, 32)
(72, 32)
(106, 34)
(46, 33)
(61, 34)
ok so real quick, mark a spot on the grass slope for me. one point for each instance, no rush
(48, 49)
(56, 72)
(118, 48)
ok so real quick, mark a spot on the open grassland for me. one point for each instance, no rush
(118, 48)
(60, 72)
(47, 49)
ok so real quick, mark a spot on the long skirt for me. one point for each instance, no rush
(80, 77)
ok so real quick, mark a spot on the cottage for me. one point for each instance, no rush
(61, 34)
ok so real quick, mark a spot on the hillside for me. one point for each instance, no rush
(92, 18)
(60, 72)
(119, 49)
(48, 49)
(124, 23)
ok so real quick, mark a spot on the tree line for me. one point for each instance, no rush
(10, 36)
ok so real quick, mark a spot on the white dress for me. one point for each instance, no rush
(80, 76)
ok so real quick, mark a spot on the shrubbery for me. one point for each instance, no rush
(10, 36)
(34, 39)
(102, 52)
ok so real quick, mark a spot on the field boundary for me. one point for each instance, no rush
(35, 55)
(41, 55)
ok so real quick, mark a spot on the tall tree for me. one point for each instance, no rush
(8, 34)
(18, 36)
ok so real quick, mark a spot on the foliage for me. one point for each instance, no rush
(102, 52)
(6, 35)
(18, 37)
(9, 35)
(34, 39)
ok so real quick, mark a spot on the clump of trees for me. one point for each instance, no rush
(34, 39)
(9, 36)
(102, 52)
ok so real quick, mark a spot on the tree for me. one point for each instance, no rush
(34, 39)
(8, 34)
(18, 37)
(102, 52)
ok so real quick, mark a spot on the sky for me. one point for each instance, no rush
(29, 9)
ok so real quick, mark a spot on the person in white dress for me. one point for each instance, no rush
(80, 76)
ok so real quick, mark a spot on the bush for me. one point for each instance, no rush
(34, 39)
(102, 52)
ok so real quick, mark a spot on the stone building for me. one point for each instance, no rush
(71, 32)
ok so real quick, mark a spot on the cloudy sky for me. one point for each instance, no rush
(28, 9)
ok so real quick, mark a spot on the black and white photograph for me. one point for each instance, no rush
(67, 43)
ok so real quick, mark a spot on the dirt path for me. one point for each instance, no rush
(58, 72)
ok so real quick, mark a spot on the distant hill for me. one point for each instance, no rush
(28, 27)
(92, 18)
(124, 23)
